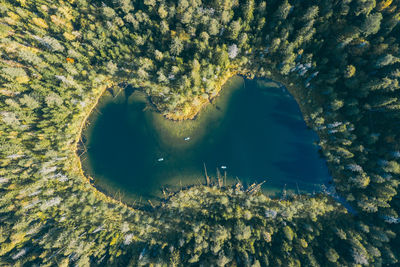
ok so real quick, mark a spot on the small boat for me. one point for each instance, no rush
(187, 138)
(160, 159)
(223, 167)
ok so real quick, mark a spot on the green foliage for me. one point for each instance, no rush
(340, 60)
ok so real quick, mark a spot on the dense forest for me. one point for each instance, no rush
(339, 58)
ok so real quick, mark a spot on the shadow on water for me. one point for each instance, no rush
(289, 121)
(257, 133)
(302, 161)
(129, 90)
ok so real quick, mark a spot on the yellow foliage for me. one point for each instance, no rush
(22, 79)
(41, 215)
(5, 31)
(22, 2)
(44, 7)
(44, 254)
(384, 4)
(186, 109)
(61, 22)
(184, 36)
(267, 237)
(40, 22)
(114, 240)
(66, 12)
(17, 237)
(12, 18)
(303, 243)
(6, 248)
(366, 181)
(64, 262)
(56, 20)
(350, 71)
(392, 9)
(69, 36)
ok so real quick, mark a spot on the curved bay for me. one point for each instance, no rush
(254, 128)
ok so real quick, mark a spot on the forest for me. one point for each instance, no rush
(339, 58)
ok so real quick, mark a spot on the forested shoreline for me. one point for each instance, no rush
(56, 57)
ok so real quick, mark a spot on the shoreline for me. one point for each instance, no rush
(76, 164)
(195, 109)
(77, 167)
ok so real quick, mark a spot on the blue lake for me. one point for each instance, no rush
(254, 131)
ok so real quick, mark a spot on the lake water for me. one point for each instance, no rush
(254, 128)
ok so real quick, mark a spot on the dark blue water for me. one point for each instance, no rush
(254, 128)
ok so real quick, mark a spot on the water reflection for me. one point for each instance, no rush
(254, 130)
